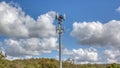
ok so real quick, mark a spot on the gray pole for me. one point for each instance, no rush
(60, 30)
(60, 42)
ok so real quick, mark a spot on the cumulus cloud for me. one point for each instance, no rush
(14, 58)
(89, 55)
(32, 46)
(24, 35)
(96, 33)
(43, 27)
(15, 23)
(11, 21)
(112, 55)
(104, 35)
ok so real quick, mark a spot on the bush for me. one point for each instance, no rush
(114, 65)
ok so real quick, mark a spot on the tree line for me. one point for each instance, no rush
(48, 63)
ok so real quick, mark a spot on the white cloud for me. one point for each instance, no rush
(80, 55)
(11, 21)
(14, 58)
(91, 55)
(99, 34)
(96, 33)
(43, 27)
(118, 9)
(24, 35)
(32, 46)
(15, 23)
(112, 56)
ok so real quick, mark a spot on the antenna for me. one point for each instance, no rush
(64, 16)
(59, 30)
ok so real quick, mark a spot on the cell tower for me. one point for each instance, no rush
(59, 30)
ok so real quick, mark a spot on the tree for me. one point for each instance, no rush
(114, 65)
(1, 55)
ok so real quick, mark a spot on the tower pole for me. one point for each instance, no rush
(60, 30)
(60, 54)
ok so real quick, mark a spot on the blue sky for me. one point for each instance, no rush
(79, 11)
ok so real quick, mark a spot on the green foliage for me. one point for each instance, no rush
(48, 63)
(114, 65)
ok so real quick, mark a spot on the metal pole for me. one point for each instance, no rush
(60, 19)
(60, 41)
